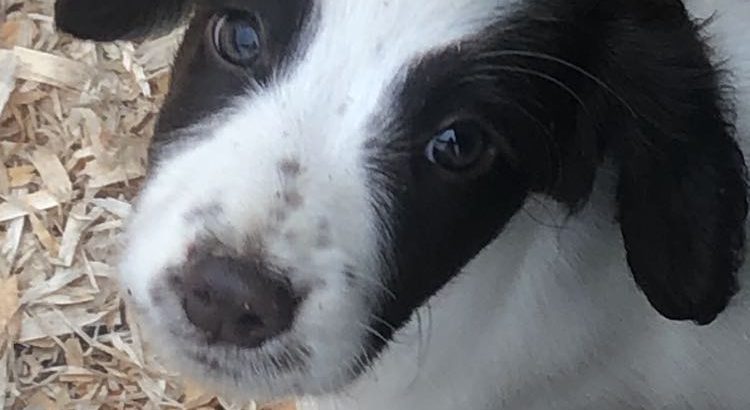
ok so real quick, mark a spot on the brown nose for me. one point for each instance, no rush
(234, 302)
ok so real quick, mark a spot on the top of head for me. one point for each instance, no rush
(355, 155)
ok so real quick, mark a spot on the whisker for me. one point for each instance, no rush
(539, 74)
(379, 319)
(422, 357)
(380, 285)
(363, 361)
(373, 332)
(568, 64)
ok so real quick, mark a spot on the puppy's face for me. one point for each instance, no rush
(321, 168)
(339, 153)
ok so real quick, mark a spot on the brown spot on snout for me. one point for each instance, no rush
(279, 214)
(293, 199)
(210, 211)
(290, 167)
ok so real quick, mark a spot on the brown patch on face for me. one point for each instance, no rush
(279, 214)
(211, 211)
(293, 199)
(290, 167)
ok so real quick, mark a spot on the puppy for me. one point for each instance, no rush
(447, 204)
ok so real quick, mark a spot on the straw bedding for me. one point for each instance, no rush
(75, 124)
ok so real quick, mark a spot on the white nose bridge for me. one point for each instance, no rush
(358, 51)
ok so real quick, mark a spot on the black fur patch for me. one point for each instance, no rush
(118, 19)
(203, 86)
(567, 85)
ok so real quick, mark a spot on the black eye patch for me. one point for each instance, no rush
(230, 48)
(452, 173)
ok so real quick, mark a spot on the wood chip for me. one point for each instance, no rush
(11, 244)
(40, 401)
(53, 174)
(5, 384)
(20, 176)
(9, 302)
(43, 235)
(103, 175)
(61, 279)
(114, 206)
(77, 223)
(74, 353)
(48, 324)
(280, 406)
(46, 68)
(38, 201)
(7, 76)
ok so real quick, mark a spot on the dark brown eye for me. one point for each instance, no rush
(462, 146)
(237, 38)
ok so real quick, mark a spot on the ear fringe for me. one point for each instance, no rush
(650, 98)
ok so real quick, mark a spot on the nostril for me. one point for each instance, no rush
(236, 302)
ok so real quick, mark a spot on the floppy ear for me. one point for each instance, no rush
(659, 112)
(682, 212)
(109, 20)
(682, 190)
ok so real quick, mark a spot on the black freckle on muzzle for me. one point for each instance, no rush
(235, 302)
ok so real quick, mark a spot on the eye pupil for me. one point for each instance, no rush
(448, 142)
(458, 147)
(245, 39)
(236, 38)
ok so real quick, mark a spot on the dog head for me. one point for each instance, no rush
(322, 167)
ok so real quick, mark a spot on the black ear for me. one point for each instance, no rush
(682, 190)
(682, 212)
(653, 104)
(109, 20)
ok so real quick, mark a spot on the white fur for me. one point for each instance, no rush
(542, 319)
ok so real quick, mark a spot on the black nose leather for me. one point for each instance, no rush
(235, 303)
